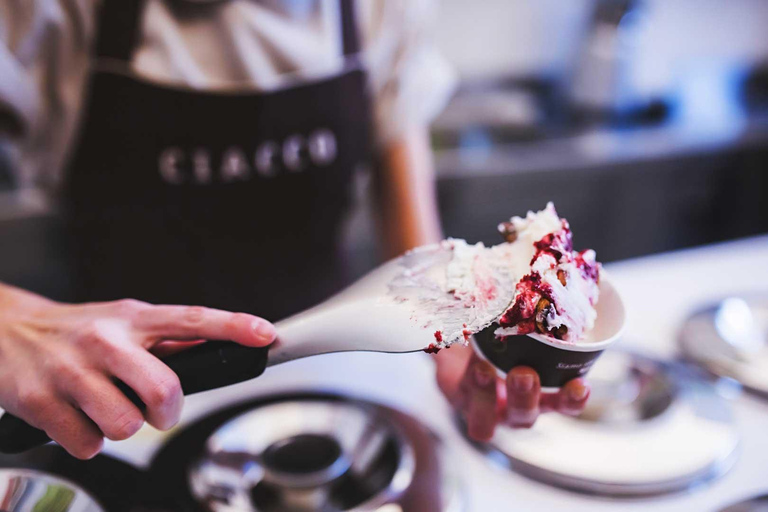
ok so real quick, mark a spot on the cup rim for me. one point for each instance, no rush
(605, 286)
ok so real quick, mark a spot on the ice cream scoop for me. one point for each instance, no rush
(373, 314)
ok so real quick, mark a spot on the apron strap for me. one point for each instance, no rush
(349, 34)
(118, 30)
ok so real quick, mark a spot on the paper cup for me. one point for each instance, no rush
(556, 361)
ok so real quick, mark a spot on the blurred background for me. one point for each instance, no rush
(646, 123)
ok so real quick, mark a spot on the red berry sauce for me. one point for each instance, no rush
(557, 244)
(589, 269)
(522, 314)
(531, 289)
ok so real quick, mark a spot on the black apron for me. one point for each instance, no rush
(228, 200)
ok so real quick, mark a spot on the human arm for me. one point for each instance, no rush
(58, 362)
(406, 194)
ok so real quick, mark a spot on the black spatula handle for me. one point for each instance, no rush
(211, 365)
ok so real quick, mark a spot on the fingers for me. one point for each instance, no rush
(156, 384)
(570, 400)
(451, 366)
(479, 387)
(67, 426)
(60, 378)
(168, 348)
(75, 433)
(105, 405)
(196, 322)
(523, 392)
(573, 397)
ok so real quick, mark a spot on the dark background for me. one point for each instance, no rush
(656, 143)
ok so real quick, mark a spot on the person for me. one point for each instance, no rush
(204, 153)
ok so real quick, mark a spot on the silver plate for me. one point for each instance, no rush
(313, 454)
(24, 490)
(730, 339)
(756, 504)
(649, 428)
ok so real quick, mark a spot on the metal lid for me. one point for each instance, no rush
(756, 504)
(24, 490)
(298, 453)
(649, 428)
(730, 339)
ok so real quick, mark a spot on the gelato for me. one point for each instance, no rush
(534, 282)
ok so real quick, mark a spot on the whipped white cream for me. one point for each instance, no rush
(459, 289)
(534, 226)
(455, 288)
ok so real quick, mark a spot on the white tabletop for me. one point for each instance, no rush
(659, 291)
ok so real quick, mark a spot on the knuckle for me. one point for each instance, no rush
(129, 307)
(92, 336)
(165, 392)
(73, 375)
(125, 425)
(34, 402)
(240, 319)
(193, 316)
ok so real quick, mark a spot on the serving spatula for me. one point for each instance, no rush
(395, 308)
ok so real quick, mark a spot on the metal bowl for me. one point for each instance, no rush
(649, 428)
(730, 339)
(756, 504)
(25, 490)
(298, 453)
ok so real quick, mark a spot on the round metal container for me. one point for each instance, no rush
(25, 490)
(756, 504)
(649, 428)
(309, 452)
(115, 485)
(730, 339)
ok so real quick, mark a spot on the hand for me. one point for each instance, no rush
(472, 387)
(58, 362)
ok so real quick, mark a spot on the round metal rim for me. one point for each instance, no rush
(56, 479)
(604, 489)
(712, 367)
(169, 468)
(609, 490)
(403, 475)
(760, 499)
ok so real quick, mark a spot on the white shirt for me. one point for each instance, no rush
(45, 54)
